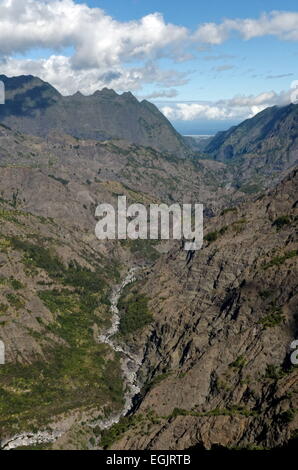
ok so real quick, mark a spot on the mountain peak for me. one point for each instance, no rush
(35, 107)
(107, 92)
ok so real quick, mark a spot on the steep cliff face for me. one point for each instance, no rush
(272, 132)
(259, 150)
(35, 107)
(216, 357)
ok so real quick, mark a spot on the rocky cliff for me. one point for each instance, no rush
(272, 133)
(216, 368)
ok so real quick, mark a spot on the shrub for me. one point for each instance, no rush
(60, 180)
(273, 372)
(39, 256)
(211, 236)
(229, 209)
(281, 221)
(134, 313)
(278, 260)
(266, 293)
(15, 301)
(287, 416)
(15, 284)
(271, 320)
(109, 436)
(239, 362)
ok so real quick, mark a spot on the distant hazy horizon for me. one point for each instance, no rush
(202, 128)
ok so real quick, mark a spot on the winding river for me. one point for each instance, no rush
(130, 364)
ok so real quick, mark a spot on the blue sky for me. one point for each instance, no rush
(189, 12)
(205, 64)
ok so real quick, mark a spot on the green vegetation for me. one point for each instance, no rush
(3, 308)
(180, 412)
(78, 372)
(74, 375)
(238, 225)
(239, 362)
(60, 180)
(15, 301)
(134, 312)
(274, 372)
(229, 209)
(287, 416)
(46, 446)
(74, 275)
(156, 380)
(4, 245)
(71, 378)
(9, 215)
(38, 257)
(271, 320)
(15, 284)
(11, 282)
(76, 314)
(211, 236)
(266, 293)
(277, 372)
(282, 221)
(230, 411)
(250, 188)
(143, 249)
(109, 436)
(278, 260)
(223, 230)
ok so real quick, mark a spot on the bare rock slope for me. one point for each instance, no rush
(216, 356)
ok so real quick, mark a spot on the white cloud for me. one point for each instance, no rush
(239, 107)
(106, 52)
(281, 24)
(96, 37)
(171, 93)
(58, 71)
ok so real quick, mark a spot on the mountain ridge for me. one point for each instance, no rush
(35, 107)
(272, 130)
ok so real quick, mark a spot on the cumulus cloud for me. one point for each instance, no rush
(96, 37)
(58, 71)
(281, 24)
(102, 51)
(238, 107)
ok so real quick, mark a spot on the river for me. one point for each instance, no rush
(130, 364)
